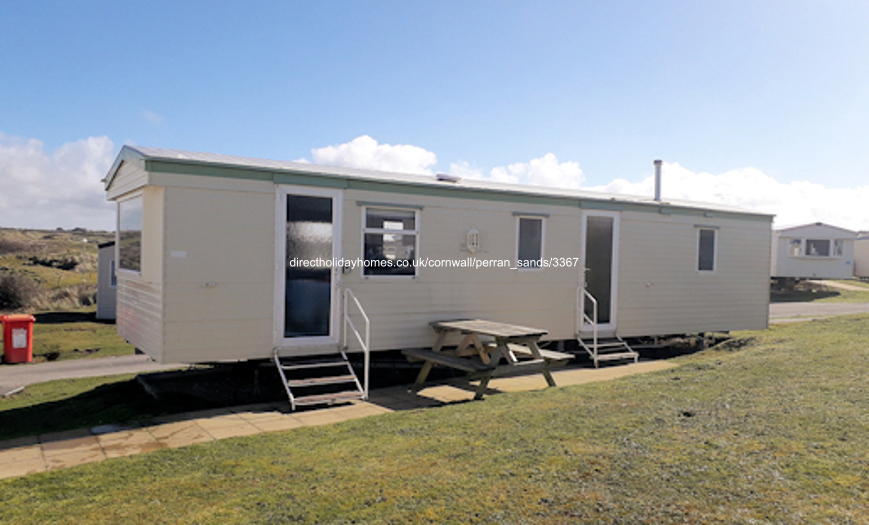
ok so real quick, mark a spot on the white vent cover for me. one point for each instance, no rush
(445, 177)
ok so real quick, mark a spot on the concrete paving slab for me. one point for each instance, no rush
(122, 449)
(278, 424)
(73, 458)
(224, 420)
(71, 446)
(242, 428)
(323, 416)
(132, 437)
(254, 417)
(179, 434)
(21, 468)
(25, 453)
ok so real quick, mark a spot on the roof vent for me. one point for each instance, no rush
(445, 177)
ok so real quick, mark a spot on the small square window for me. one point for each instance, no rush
(795, 247)
(389, 239)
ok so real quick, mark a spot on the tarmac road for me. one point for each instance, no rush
(13, 377)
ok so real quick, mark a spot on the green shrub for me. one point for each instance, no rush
(16, 291)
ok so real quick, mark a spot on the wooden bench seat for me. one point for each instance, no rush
(550, 356)
(460, 363)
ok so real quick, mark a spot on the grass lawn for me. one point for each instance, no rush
(771, 428)
(72, 335)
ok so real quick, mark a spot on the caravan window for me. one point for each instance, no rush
(130, 234)
(818, 247)
(390, 242)
(529, 246)
(705, 250)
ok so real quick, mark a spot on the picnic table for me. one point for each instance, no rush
(515, 345)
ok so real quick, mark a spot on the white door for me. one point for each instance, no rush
(308, 229)
(600, 256)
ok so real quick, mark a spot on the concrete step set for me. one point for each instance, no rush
(29, 455)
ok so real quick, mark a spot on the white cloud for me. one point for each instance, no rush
(793, 203)
(542, 171)
(45, 189)
(464, 170)
(364, 152)
(42, 189)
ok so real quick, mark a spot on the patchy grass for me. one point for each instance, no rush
(58, 264)
(772, 428)
(72, 335)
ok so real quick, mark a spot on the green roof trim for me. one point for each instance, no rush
(434, 189)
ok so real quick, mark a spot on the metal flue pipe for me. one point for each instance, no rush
(658, 180)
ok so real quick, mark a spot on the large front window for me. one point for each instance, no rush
(816, 248)
(130, 234)
(390, 241)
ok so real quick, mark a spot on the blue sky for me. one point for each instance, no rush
(733, 93)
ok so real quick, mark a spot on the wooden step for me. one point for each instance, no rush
(620, 355)
(317, 381)
(319, 363)
(320, 399)
(604, 344)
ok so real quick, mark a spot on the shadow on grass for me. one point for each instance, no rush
(67, 317)
(118, 402)
(801, 296)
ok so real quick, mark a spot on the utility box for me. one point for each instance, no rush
(17, 338)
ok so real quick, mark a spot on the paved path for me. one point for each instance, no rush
(840, 286)
(28, 455)
(16, 376)
(787, 312)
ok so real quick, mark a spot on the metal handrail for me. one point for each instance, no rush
(348, 294)
(581, 316)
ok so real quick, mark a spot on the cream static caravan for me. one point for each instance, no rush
(204, 244)
(813, 251)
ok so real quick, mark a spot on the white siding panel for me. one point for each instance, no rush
(139, 315)
(661, 291)
(219, 267)
(401, 309)
(128, 178)
(861, 258)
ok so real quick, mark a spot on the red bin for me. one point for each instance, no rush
(17, 338)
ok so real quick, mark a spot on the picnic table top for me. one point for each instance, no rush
(490, 328)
